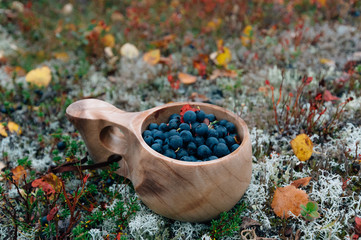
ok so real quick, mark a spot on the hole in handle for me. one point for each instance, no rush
(114, 140)
(114, 158)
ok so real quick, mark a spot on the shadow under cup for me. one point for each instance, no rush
(192, 191)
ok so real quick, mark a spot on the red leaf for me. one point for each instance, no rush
(327, 96)
(52, 213)
(358, 225)
(47, 188)
(86, 178)
(267, 82)
(308, 80)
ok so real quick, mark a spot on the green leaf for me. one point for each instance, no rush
(312, 206)
(314, 214)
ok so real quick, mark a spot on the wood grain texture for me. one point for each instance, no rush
(185, 191)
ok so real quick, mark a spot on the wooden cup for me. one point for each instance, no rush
(180, 190)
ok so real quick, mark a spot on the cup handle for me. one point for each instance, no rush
(105, 129)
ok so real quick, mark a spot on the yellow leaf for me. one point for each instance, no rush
(247, 31)
(288, 199)
(152, 57)
(19, 173)
(108, 40)
(214, 24)
(327, 62)
(224, 57)
(130, 51)
(63, 56)
(302, 147)
(13, 128)
(3, 131)
(187, 78)
(40, 77)
(322, 3)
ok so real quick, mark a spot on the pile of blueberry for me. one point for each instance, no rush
(193, 136)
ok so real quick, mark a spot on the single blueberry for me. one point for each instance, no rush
(200, 116)
(186, 158)
(203, 151)
(199, 140)
(170, 153)
(211, 142)
(174, 123)
(194, 126)
(61, 145)
(221, 130)
(229, 140)
(159, 135)
(153, 126)
(201, 129)
(149, 140)
(186, 136)
(43, 220)
(221, 150)
(234, 147)
(181, 153)
(191, 148)
(189, 117)
(163, 127)
(159, 141)
(193, 158)
(231, 128)
(223, 122)
(157, 147)
(165, 147)
(212, 133)
(172, 132)
(211, 117)
(212, 158)
(175, 142)
(175, 116)
(147, 133)
(221, 140)
(184, 126)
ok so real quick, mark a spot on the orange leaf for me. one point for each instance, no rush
(53, 180)
(222, 73)
(302, 147)
(19, 173)
(152, 57)
(163, 43)
(301, 182)
(50, 184)
(187, 78)
(288, 199)
(108, 40)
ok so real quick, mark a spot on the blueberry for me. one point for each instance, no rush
(175, 142)
(163, 127)
(200, 116)
(201, 129)
(189, 117)
(229, 140)
(186, 136)
(159, 135)
(234, 147)
(147, 133)
(223, 122)
(174, 123)
(211, 142)
(165, 147)
(186, 158)
(194, 126)
(153, 126)
(203, 151)
(61, 145)
(212, 158)
(221, 130)
(175, 116)
(221, 150)
(184, 126)
(181, 153)
(170, 153)
(212, 133)
(231, 128)
(43, 220)
(172, 132)
(149, 140)
(159, 141)
(199, 140)
(3, 109)
(211, 117)
(221, 140)
(191, 148)
(193, 158)
(157, 147)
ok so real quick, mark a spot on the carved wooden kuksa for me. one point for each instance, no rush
(180, 190)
